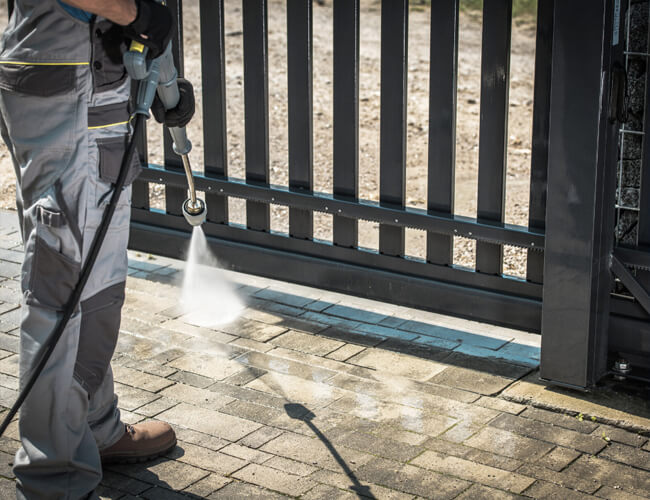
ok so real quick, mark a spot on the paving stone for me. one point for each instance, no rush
(310, 360)
(544, 490)
(129, 417)
(196, 397)
(611, 474)
(315, 452)
(445, 392)
(214, 367)
(558, 458)
(254, 330)
(404, 417)
(355, 314)
(273, 307)
(141, 380)
(549, 433)
(200, 439)
(509, 444)
(345, 352)
(283, 298)
(265, 415)
(249, 395)
(409, 479)
(150, 367)
(646, 446)
(627, 455)
(400, 435)
(484, 376)
(616, 494)
(392, 322)
(455, 336)
(8, 397)
(377, 445)
(273, 479)
(170, 474)
(162, 493)
(317, 305)
(564, 479)
(573, 423)
(399, 364)
(260, 437)
(524, 355)
(198, 331)
(436, 342)
(472, 454)
(244, 377)
(155, 407)
(9, 269)
(349, 336)
(207, 485)
(251, 345)
(211, 460)
(192, 379)
(361, 489)
(329, 321)
(501, 405)
(245, 453)
(324, 492)
(460, 432)
(296, 389)
(123, 482)
(8, 381)
(244, 491)
(6, 464)
(286, 464)
(132, 398)
(480, 492)
(471, 471)
(10, 292)
(303, 342)
(621, 435)
(105, 493)
(209, 422)
(391, 333)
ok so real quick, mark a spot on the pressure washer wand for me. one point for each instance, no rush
(160, 75)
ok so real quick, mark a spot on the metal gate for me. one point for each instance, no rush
(577, 105)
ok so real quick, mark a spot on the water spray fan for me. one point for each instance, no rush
(160, 75)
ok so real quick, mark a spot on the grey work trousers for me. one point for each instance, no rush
(67, 146)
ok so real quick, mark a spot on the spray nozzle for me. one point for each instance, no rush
(194, 211)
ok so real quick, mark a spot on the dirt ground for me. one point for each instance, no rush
(520, 119)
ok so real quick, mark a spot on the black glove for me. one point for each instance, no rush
(182, 113)
(153, 27)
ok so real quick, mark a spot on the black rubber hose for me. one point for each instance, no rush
(46, 350)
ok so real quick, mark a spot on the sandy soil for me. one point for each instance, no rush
(521, 95)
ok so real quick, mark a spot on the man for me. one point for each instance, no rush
(64, 101)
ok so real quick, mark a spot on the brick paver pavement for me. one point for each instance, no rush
(317, 395)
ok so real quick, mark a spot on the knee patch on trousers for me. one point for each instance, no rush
(100, 325)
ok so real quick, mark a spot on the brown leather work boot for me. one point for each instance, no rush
(140, 442)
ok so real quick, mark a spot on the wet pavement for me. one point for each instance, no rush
(319, 395)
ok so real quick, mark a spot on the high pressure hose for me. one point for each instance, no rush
(48, 347)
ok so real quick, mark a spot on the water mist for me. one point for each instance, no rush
(207, 297)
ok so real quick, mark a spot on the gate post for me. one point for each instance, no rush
(581, 194)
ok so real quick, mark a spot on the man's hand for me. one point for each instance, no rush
(182, 113)
(152, 27)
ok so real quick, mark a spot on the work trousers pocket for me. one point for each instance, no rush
(100, 326)
(111, 155)
(40, 108)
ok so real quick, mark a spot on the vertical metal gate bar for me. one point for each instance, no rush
(174, 197)
(643, 234)
(443, 71)
(346, 115)
(581, 190)
(539, 156)
(213, 78)
(392, 163)
(256, 107)
(493, 139)
(301, 134)
(140, 189)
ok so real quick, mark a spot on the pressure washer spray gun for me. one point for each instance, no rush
(160, 75)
